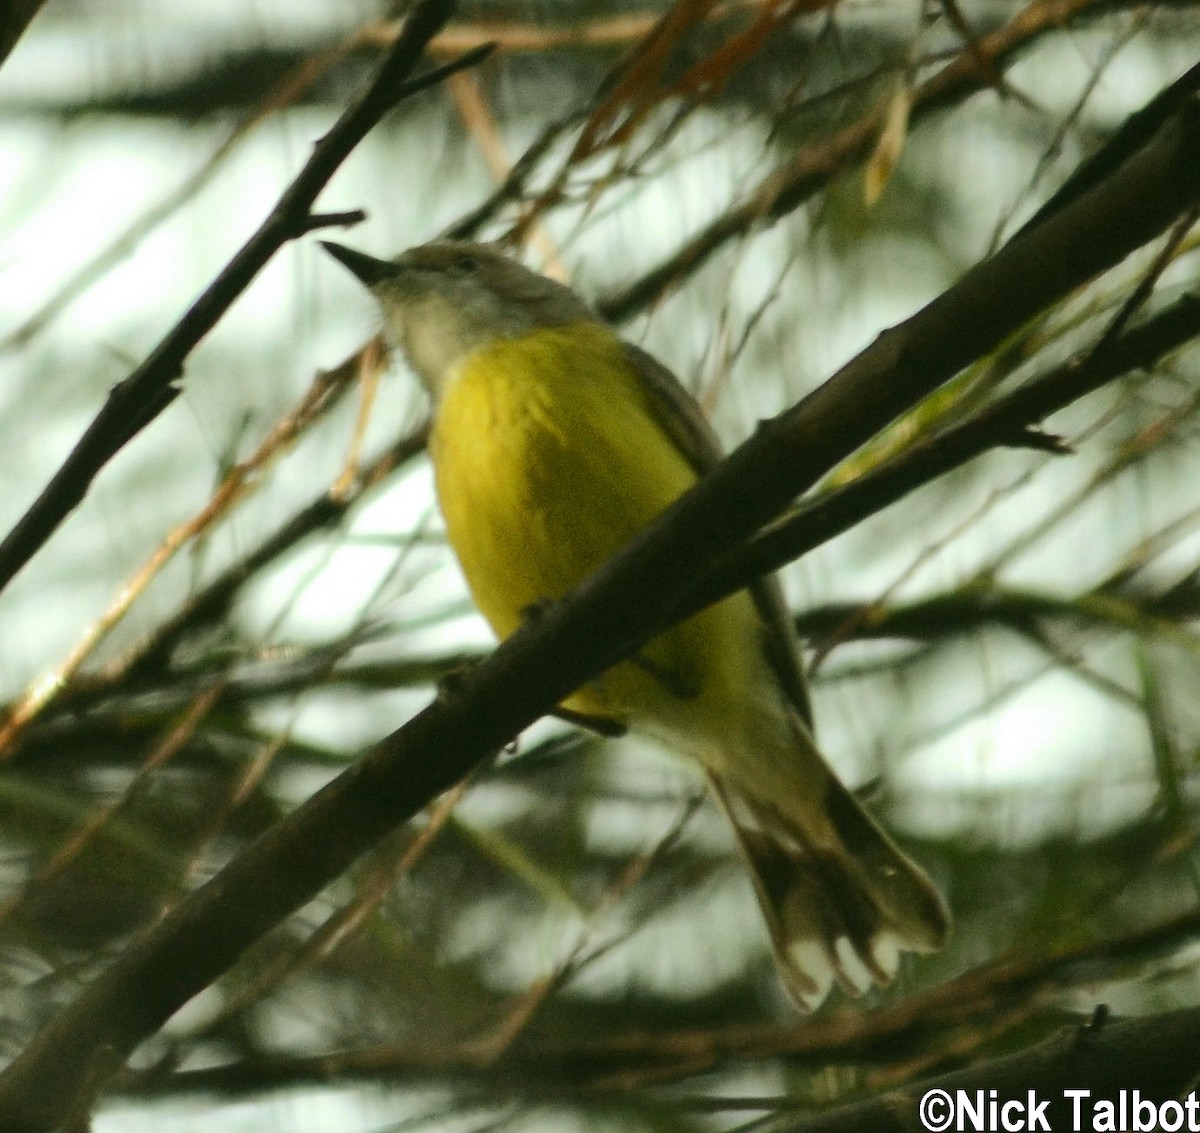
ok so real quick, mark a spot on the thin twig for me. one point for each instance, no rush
(139, 398)
(815, 166)
(998, 424)
(322, 394)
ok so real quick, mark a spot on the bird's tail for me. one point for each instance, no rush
(841, 902)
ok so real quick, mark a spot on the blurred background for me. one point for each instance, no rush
(1006, 662)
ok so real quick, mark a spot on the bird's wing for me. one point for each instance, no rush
(679, 415)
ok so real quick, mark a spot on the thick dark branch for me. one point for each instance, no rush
(139, 398)
(625, 604)
(1002, 423)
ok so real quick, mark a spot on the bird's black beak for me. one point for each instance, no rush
(366, 269)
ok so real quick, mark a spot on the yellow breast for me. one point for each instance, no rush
(547, 459)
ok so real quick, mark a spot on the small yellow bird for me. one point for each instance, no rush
(553, 442)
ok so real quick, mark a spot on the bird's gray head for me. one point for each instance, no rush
(443, 300)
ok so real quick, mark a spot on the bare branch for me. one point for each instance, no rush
(139, 398)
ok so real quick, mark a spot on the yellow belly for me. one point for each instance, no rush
(547, 459)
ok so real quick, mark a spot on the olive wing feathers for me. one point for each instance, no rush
(681, 419)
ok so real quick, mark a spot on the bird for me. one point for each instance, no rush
(553, 442)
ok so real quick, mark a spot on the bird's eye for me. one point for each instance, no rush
(464, 265)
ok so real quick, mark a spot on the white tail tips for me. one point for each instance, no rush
(842, 903)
